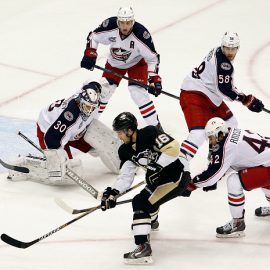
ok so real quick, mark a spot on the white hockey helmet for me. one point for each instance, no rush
(125, 14)
(230, 40)
(89, 98)
(215, 126)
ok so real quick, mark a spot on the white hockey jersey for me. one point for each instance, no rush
(62, 122)
(125, 51)
(241, 149)
(213, 77)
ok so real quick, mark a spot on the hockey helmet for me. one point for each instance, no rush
(89, 98)
(125, 14)
(125, 121)
(215, 126)
(230, 40)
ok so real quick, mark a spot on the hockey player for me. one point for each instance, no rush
(132, 51)
(66, 123)
(166, 177)
(205, 88)
(245, 156)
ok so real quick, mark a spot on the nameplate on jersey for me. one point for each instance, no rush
(235, 135)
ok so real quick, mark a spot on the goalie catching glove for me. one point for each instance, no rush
(108, 199)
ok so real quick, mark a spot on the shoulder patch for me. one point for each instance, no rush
(105, 23)
(225, 66)
(68, 115)
(146, 35)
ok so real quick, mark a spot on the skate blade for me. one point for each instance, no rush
(144, 260)
(231, 235)
(262, 216)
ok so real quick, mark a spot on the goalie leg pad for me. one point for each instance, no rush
(38, 172)
(106, 143)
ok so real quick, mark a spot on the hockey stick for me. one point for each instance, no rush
(20, 244)
(147, 87)
(72, 175)
(266, 110)
(67, 208)
(14, 167)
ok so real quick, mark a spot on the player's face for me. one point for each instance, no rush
(212, 140)
(125, 27)
(88, 109)
(124, 136)
(230, 53)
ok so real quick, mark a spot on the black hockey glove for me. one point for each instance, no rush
(210, 188)
(108, 199)
(190, 187)
(153, 173)
(89, 58)
(155, 85)
(253, 104)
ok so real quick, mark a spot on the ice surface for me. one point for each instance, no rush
(41, 44)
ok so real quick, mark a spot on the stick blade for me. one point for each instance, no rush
(15, 243)
(63, 205)
(14, 167)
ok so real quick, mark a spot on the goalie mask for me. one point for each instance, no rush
(216, 126)
(89, 98)
(125, 121)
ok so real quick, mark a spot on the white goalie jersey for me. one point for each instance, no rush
(213, 77)
(62, 122)
(241, 149)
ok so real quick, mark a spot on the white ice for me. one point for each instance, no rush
(41, 45)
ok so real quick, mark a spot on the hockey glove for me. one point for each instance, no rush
(155, 85)
(210, 188)
(108, 199)
(89, 58)
(153, 173)
(190, 187)
(253, 104)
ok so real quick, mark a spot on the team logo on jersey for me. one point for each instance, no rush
(68, 115)
(145, 157)
(105, 23)
(146, 35)
(226, 66)
(112, 39)
(215, 147)
(120, 54)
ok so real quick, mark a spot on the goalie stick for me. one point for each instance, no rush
(14, 167)
(71, 174)
(70, 210)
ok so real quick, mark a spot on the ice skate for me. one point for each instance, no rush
(262, 211)
(142, 254)
(233, 229)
